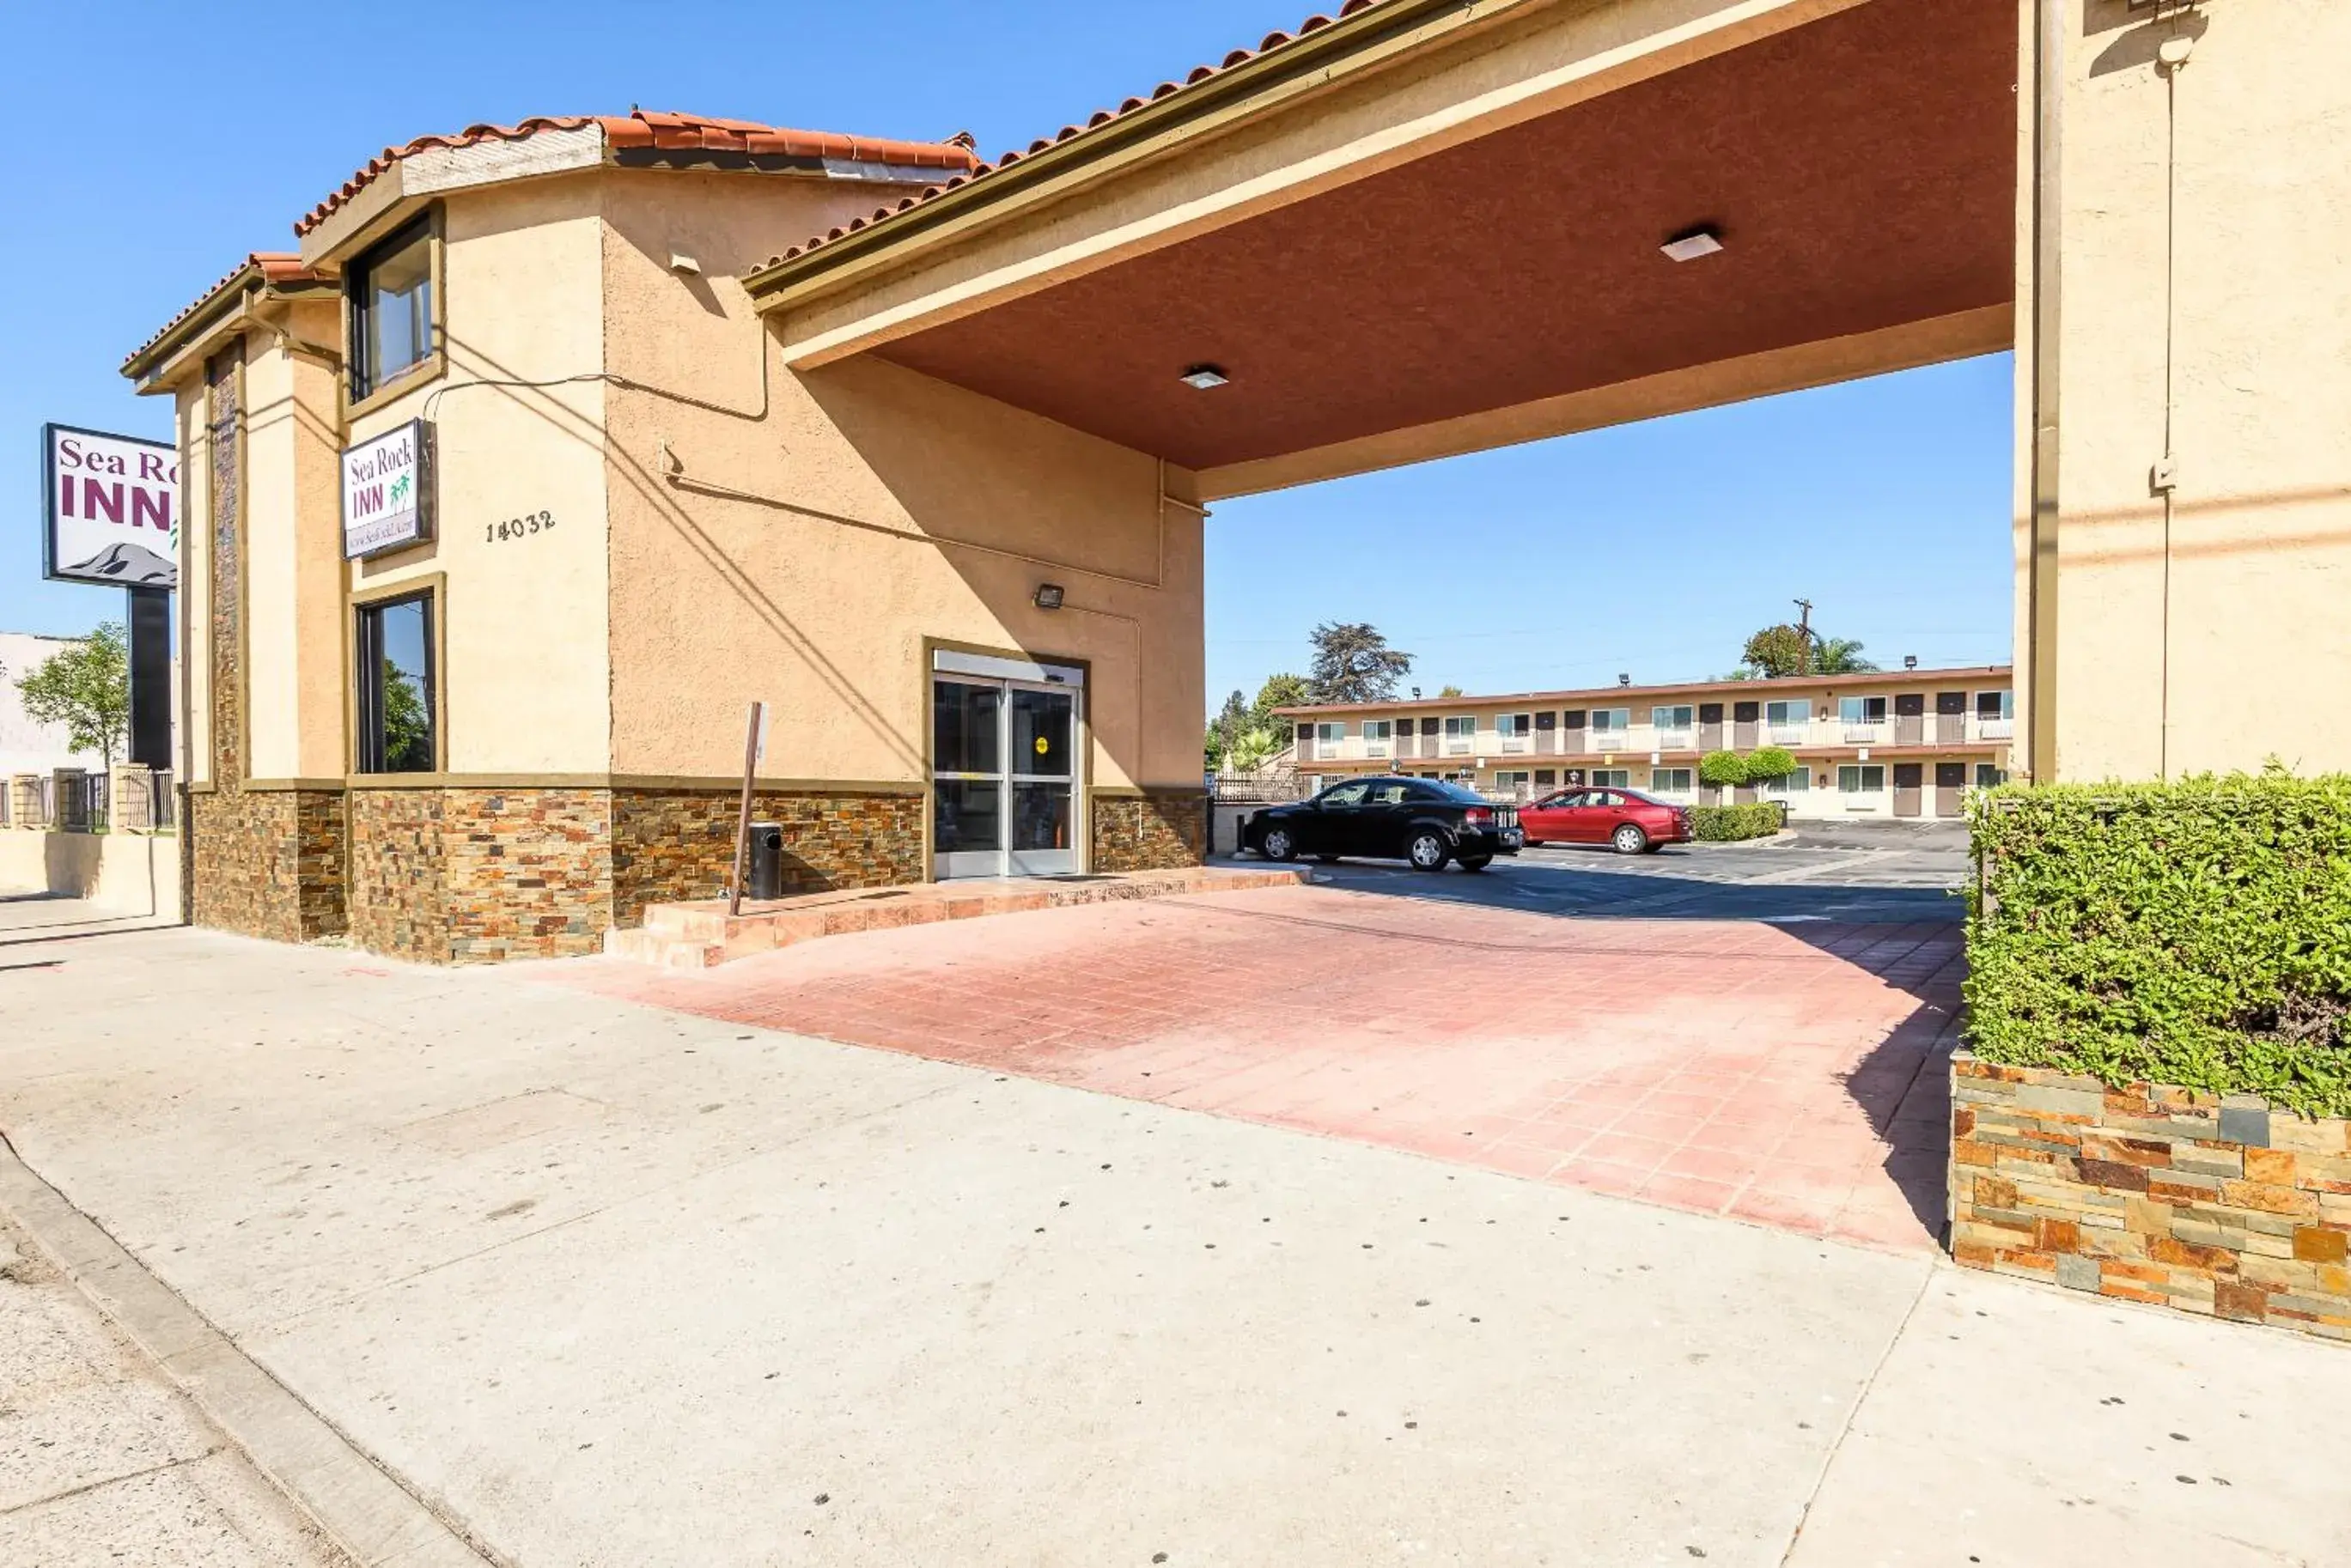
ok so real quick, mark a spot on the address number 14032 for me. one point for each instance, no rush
(518, 527)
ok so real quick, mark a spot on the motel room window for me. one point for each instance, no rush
(1461, 732)
(397, 687)
(1377, 733)
(1797, 782)
(1789, 715)
(392, 309)
(1995, 704)
(1622, 778)
(1680, 717)
(1610, 721)
(1330, 734)
(1863, 778)
(1671, 781)
(1989, 776)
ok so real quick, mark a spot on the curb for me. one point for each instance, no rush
(363, 1509)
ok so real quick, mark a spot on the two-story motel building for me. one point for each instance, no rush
(1905, 745)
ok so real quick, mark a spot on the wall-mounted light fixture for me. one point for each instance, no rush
(1048, 597)
(680, 261)
(1204, 377)
(1692, 245)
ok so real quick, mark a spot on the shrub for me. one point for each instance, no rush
(1722, 769)
(1766, 762)
(2195, 934)
(1721, 824)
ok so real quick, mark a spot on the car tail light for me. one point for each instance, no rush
(1478, 817)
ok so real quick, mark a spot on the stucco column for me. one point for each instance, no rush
(2184, 403)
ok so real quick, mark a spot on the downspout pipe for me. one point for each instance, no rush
(2048, 215)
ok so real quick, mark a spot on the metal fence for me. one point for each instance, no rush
(85, 803)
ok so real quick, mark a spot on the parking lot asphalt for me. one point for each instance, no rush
(1847, 873)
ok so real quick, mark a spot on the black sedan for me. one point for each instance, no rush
(1419, 820)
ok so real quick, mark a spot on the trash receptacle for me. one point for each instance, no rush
(766, 879)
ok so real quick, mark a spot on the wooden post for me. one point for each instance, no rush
(743, 820)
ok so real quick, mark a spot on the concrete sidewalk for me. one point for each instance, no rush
(605, 1284)
(104, 1463)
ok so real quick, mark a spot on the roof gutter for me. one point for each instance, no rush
(1311, 60)
(233, 306)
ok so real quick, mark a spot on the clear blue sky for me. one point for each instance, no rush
(1652, 550)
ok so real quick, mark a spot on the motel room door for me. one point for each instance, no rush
(1907, 779)
(1950, 782)
(1005, 737)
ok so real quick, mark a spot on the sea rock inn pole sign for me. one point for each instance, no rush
(113, 505)
(388, 491)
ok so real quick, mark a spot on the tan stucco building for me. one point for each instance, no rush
(710, 413)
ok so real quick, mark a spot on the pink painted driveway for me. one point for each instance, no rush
(1791, 1076)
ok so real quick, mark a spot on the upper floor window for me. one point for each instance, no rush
(1378, 729)
(1460, 728)
(1329, 735)
(1509, 724)
(1676, 718)
(1797, 710)
(1612, 718)
(392, 309)
(1862, 710)
(1995, 704)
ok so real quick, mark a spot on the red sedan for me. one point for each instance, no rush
(1628, 821)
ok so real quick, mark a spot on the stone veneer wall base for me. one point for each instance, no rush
(2227, 1207)
(1162, 829)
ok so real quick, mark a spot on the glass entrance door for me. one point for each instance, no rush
(1004, 777)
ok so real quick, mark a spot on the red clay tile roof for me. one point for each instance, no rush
(641, 129)
(273, 267)
(1101, 117)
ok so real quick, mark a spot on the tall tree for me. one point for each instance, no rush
(1779, 650)
(1353, 663)
(1445, 691)
(85, 687)
(1284, 691)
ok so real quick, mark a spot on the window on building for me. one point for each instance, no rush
(1862, 710)
(1987, 775)
(1860, 778)
(1793, 714)
(1329, 735)
(392, 309)
(1797, 782)
(1672, 781)
(1378, 729)
(397, 691)
(1995, 704)
(1513, 782)
(1460, 734)
(1674, 717)
(1622, 778)
(1515, 724)
(1612, 720)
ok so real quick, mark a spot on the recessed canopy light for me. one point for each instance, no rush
(1201, 378)
(1048, 597)
(1690, 246)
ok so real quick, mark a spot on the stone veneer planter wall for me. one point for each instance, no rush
(2225, 1207)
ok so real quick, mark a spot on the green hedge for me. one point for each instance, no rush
(1719, 824)
(2195, 934)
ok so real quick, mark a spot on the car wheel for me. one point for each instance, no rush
(1429, 851)
(1476, 862)
(1628, 839)
(1278, 844)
